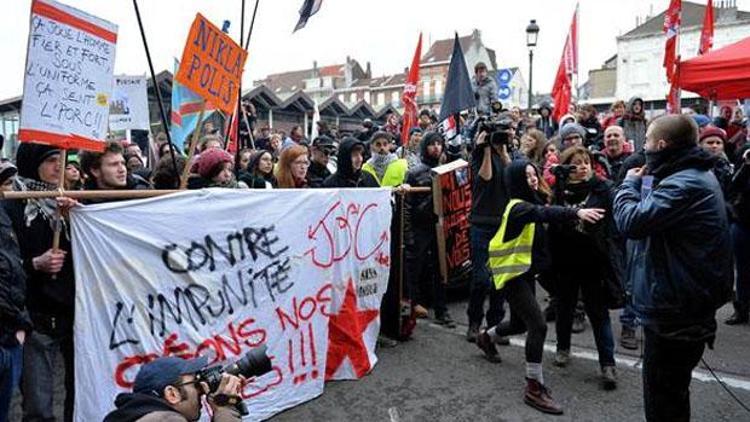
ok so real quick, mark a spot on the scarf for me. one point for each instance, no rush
(44, 207)
(380, 163)
(671, 160)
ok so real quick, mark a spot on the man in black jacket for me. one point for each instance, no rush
(349, 172)
(422, 268)
(680, 263)
(50, 283)
(14, 319)
(322, 148)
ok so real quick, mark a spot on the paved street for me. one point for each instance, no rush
(439, 376)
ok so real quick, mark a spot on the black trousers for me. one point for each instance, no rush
(423, 282)
(525, 315)
(667, 370)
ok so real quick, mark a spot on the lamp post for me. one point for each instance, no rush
(532, 33)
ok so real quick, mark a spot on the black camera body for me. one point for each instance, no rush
(563, 171)
(498, 129)
(253, 364)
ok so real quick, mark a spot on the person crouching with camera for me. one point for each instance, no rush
(581, 259)
(168, 390)
(517, 253)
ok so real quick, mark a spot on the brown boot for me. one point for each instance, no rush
(421, 312)
(538, 397)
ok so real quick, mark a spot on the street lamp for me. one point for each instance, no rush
(532, 33)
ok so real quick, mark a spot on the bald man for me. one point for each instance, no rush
(614, 150)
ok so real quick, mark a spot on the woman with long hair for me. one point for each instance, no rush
(518, 253)
(292, 168)
(532, 146)
(259, 174)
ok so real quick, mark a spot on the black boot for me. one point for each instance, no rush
(741, 315)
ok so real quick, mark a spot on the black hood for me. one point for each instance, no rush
(30, 156)
(133, 406)
(344, 158)
(517, 183)
(671, 160)
(430, 138)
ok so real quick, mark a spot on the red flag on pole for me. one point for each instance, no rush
(707, 34)
(409, 97)
(673, 98)
(232, 131)
(561, 91)
(672, 29)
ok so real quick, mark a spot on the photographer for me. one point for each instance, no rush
(489, 198)
(167, 390)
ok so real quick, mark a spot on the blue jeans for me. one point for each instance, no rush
(11, 360)
(741, 243)
(481, 281)
(596, 309)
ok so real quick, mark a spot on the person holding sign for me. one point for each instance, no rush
(50, 281)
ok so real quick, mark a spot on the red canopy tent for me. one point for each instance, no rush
(722, 74)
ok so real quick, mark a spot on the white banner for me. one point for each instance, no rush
(128, 108)
(220, 272)
(68, 78)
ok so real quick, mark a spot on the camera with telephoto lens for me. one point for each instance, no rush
(253, 364)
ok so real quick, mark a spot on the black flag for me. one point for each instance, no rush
(309, 8)
(459, 95)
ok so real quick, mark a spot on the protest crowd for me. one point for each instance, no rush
(612, 211)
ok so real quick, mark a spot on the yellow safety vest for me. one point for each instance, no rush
(394, 174)
(510, 259)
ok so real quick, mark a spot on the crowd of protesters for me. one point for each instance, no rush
(570, 201)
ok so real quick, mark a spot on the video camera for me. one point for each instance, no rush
(253, 364)
(498, 128)
(563, 171)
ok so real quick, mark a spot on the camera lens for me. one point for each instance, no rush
(254, 363)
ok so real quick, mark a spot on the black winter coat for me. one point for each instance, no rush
(13, 314)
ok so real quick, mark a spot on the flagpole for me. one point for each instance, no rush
(679, 57)
(156, 88)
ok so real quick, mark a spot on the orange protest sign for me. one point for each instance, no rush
(212, 65)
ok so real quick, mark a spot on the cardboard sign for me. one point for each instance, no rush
(451, 193)
(128, 107)
(302, 272)
(212, 65)
(68, 79)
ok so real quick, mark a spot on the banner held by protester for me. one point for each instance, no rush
(452, 200)
(309, 291)
(68, 78)
(212, 65)
(128, 107)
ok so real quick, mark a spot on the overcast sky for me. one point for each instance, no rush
(383, 32)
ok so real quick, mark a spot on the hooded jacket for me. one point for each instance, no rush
(485, 93)
(346, 176)
(634, 124)
(546, 124)
(419, 207)
(681, 261)
(46, 298)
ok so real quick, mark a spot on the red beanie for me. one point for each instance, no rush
(211, 160)
(713, 131)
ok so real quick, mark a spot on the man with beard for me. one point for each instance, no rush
(107, 171)
(420, 237)
(385, 166)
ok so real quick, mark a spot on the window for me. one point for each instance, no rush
(381, 98)
(367, 97)
(394, 97)
(438, 87)
(426, 88)
(353, 97)
(341, 97)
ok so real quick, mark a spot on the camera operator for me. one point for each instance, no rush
(167, 390)
(489, 198)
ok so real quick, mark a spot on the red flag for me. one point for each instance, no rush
(570, 51)
(672, 29)
(561, 91)
(568, 65)
(707, 34)
(673, 98)
(232, 130)
(409, 98)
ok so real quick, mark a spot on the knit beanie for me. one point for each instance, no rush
(211, 161)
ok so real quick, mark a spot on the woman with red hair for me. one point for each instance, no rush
(292, 168)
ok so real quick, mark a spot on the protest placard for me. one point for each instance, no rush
(451, 193)
(305, 277)
(128, 107)
(68, 78)
(212, 65)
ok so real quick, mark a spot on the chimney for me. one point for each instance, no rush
(348, 77)
(315, 72)
(368, 72)
(476, 35)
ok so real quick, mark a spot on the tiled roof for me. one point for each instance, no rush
(441, 50)
(294, 80)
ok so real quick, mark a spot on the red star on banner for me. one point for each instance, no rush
(345, 331)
